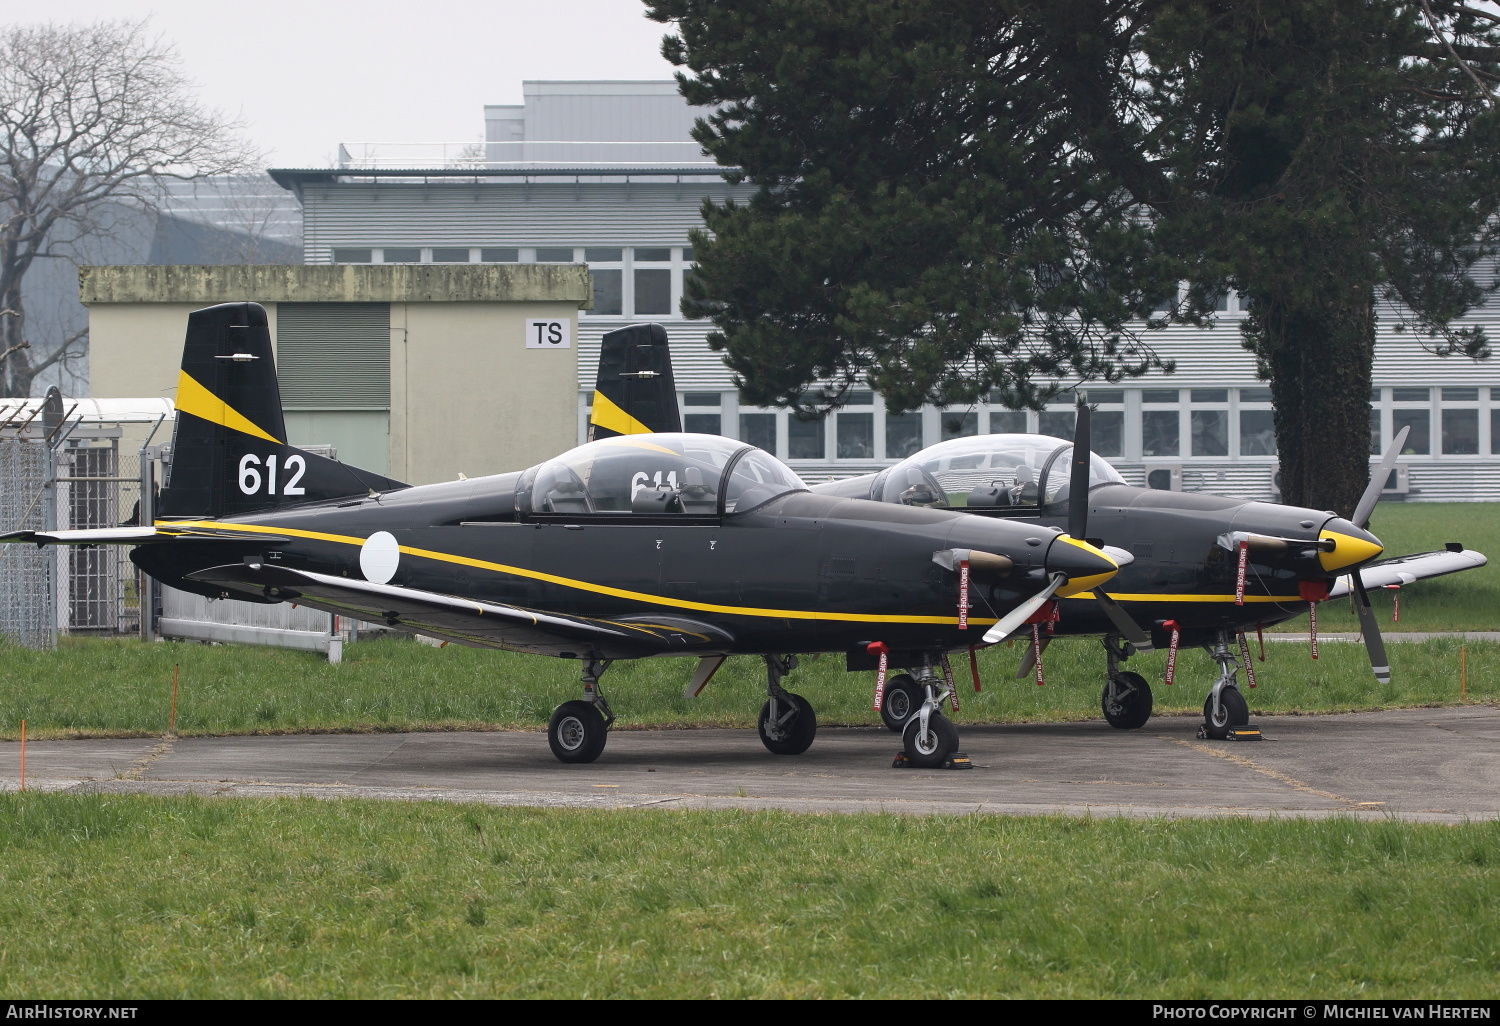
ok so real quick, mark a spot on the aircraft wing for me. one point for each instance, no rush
(471, 622)
(1405, 570)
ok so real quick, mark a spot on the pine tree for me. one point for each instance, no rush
(955, 199)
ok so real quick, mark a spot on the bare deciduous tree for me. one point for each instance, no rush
(88, 114)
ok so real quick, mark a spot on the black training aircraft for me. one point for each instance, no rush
(1197, 569)
(626, 547)
(1206, 570)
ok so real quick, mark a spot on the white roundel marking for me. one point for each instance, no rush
(378, 557)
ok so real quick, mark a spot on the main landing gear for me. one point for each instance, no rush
(787, 725)
(1127, 697)
(912, 707)
(1225, 708)
(578, 729)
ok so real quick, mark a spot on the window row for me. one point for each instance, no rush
(1131, 424)
(1458, 431)
(1448, 420)
(512, 255)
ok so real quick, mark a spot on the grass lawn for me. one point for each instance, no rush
(93, 687)
(133, 896)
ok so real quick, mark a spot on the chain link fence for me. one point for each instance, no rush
(70, 477)
(28, 594)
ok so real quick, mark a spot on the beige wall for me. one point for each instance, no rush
(135, 349)
(468, 397)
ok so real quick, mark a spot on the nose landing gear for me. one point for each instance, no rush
(1225, 708)
(929, 736)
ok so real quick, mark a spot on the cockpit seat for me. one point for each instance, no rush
(697, 497)
(989, 496)
(650, 499)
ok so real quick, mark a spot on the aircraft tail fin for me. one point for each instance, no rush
(634, 393)
(229, 449)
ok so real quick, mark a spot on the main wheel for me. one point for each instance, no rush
(793, 736)
(1234, 712)
(903, 697)
(931, 749)
(576, 732)
(1130, 707)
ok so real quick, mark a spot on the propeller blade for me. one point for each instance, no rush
(1028, 661)
(1012, 621)
(1128, 628)
(1378, 477)
(1078, 485)
(1374, 643)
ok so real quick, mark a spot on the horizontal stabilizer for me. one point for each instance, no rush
(138, 536)
(90, 536)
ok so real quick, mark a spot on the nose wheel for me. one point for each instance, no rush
(1225, 708)
(1233, 711)
(929, 748)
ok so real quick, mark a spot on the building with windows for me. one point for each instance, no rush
(604, 174)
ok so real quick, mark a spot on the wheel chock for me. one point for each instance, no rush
(956, 761)
(1249, 732)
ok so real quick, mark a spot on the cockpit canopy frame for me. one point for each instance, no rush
(674, 474)
(1002, 472)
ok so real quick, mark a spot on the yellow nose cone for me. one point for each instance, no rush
(1086, 566)
(1350, 548)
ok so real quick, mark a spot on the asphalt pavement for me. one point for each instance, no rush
(1440, 765)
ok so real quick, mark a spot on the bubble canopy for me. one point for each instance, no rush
(671, 474)
(988, 472)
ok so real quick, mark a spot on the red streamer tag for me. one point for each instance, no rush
(1245, 654)
(974, 667)
(963, 594)
(1396, 603)
(1261, 637)
(1036, 649)
(1312, 624)
(880, 648)
(1239, 577)
(1176, 630)
(948, 676)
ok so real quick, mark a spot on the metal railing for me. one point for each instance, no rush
(524, 153)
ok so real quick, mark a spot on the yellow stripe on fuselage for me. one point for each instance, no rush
(598, 589)
(193, 398)
(1148, 597)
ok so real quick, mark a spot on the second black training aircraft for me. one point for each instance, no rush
(626, 547)
(1197, 569)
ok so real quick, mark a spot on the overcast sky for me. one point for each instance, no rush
(306, 75)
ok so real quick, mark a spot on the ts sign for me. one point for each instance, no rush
(542, 334)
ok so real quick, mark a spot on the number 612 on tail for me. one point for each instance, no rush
(251, 478)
